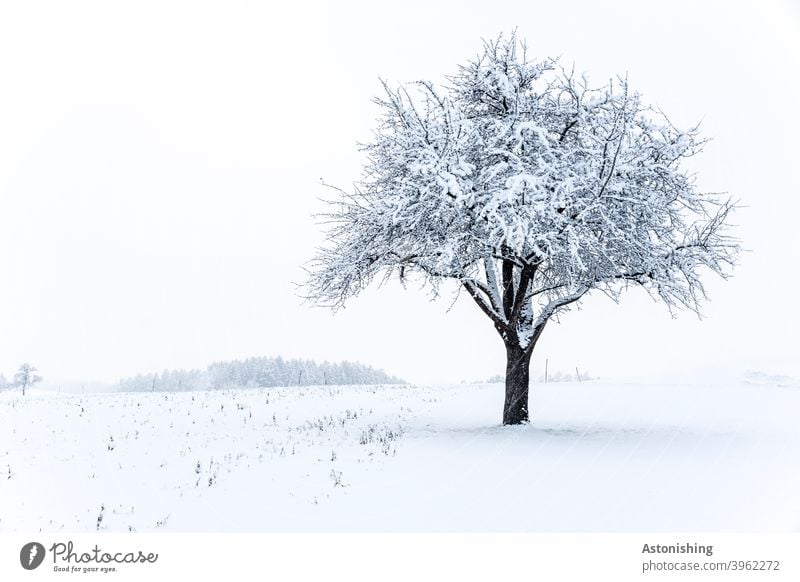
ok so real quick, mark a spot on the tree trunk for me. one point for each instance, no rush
(515, 409)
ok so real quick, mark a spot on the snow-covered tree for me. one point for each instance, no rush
(259, 372)
(529, 188)
(26, 377)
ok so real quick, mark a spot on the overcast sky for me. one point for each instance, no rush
(160, 163)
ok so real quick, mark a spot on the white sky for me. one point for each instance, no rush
(159, 162)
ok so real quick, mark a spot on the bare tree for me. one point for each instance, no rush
(26, 377)
(528, 188)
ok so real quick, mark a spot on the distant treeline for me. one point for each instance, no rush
(259, 372)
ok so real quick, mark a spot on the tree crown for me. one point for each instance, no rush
(528, 187)
(26, 376)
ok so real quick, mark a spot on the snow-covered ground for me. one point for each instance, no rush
(598, 456)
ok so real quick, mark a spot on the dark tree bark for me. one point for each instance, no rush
(515, 409)
(518, 363)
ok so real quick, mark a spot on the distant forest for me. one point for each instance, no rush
(258, 372)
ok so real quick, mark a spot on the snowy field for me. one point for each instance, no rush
(598, 456)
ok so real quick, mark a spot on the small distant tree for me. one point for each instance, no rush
(529, 189)
(26, 377)
(3, 383)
